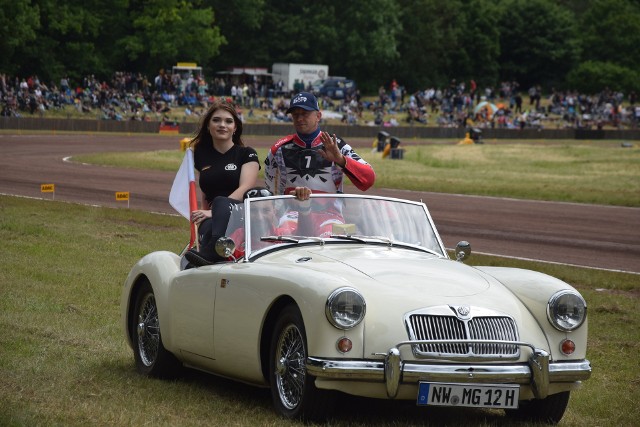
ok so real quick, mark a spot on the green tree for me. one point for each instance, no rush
(538, 41)
(446, 39)
(355, 39)
(301, 32)
(594, 76)
(431, 31)
(19, 22)
(84, 37)
(611, 32)
(367, 32)
(420, 43)
(167, 31)
(71, 38)
(477, 56)
(241, 23)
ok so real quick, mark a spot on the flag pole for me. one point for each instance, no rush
(195, 226)
(193, 200)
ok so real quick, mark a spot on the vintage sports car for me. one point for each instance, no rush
(357, 294)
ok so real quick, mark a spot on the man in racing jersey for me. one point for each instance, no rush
(313, 161)
(312, 158)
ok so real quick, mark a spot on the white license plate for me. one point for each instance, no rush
(469, 395)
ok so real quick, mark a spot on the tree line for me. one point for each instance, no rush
(584, 45)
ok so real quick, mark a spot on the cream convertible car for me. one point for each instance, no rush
(358, 296)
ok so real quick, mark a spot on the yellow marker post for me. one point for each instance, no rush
(48, 188)
(121, 196)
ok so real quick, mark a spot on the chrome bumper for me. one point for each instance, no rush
(538, 372)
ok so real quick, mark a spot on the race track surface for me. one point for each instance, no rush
(595, 236)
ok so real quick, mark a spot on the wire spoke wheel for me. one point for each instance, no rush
(290, 371)
(144, 327)
(148, 330)
(293, 390)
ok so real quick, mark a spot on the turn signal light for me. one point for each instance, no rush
(344, 345)
(567, 347)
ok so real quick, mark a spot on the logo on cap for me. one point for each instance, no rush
(299, 99)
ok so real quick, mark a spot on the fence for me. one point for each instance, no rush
(407, 132)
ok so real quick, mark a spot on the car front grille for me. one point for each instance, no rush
(430, 327)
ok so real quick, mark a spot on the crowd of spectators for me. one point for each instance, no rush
(126, 96)
(133, 96)
(507, 107)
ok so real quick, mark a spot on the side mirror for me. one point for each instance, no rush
(225, 247)
(463, 250)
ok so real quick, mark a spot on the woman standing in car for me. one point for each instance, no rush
(227, 169)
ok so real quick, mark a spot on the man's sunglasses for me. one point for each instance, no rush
(257, 192)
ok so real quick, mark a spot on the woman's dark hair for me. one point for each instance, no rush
(203, 134)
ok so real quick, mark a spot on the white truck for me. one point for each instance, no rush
(298, 76)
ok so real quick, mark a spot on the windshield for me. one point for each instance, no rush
(283, 220)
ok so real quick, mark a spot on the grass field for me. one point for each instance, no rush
(63, 359)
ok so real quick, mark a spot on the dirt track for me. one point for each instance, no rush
(587, 235)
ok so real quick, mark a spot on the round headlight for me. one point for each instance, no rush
(345, 308)
(566, 310)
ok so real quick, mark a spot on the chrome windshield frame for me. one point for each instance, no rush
(251, 253)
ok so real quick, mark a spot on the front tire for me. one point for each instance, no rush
(548, 410)
(151, 357)
(293, 390)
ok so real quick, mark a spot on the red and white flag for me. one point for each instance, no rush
(183, 192)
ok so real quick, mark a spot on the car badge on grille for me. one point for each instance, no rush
(463, 311)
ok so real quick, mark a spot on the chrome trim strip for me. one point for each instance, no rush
(373, 370)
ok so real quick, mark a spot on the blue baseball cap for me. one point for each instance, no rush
(305, 100)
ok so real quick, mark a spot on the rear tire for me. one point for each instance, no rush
(152, 359)
(548, 410)
(293, 390)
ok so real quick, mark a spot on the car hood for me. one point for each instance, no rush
(396, 281)
(413, 271)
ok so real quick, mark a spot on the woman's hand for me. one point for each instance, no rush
(198, 216)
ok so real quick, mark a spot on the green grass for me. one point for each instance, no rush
(64, 361)
(584, 173)
(164, 160)
(599, 172)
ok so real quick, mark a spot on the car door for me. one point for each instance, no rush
(192, 300)
(245, 292)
